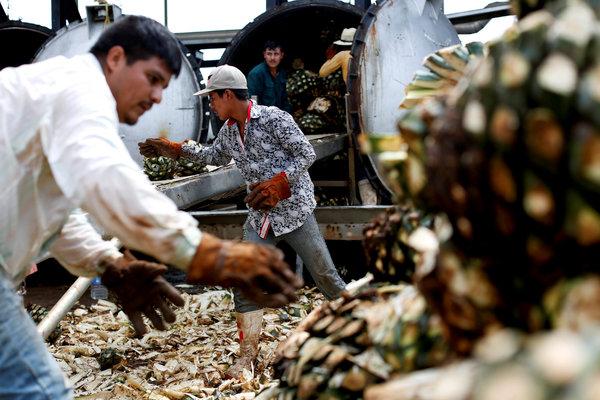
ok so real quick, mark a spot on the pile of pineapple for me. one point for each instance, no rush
(318, 103)
(162, 168)
(512, 157)
(503, 166)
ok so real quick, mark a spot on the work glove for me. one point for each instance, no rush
(265, 195)
(160, 147)
(257, 270)
(142, 290)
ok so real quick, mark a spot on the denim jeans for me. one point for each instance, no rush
(308, 242)
(27, 370)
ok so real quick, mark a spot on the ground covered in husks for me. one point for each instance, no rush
(103, 360)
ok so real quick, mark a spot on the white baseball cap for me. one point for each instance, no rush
(224, 77)
(346, 37)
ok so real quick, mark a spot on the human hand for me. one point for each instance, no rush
(265, 195)
(259, 271)
(142, 290)
(160, 147)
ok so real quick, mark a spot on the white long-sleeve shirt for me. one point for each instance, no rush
(59, 151)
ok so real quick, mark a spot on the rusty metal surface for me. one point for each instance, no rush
(335, 223)
(398, 38)
(189, 191)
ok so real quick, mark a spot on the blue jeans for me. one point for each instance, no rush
(310, 246)
(27, 370)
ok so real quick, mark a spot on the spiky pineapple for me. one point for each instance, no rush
(353, 342)
(159, 168)
(312, 122)
(442, 71)
(511, 157)
(37, 314)
(573, 303)
(186, 167)
(556, 365)
(302, 88)
(402, 157)
(388, 254)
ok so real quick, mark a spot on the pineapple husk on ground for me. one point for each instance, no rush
(359, 340)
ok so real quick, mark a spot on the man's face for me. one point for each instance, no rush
(273, 57)
(220, 104)
(135, 87)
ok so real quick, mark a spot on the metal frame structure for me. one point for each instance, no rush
(198, 41)
(345, 223)
(189, 191)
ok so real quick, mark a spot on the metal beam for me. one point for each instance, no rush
(189, 191)
(3, 15)
(62, 11)
(478, 15)
(335, 223)
(221, 39)
(208, 39)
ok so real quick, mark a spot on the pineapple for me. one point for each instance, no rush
(318, 102)
(402, 158)
(389, 256)
(442, 71)
(511, 157)
(302, 88)
(159, 168)
(555, 365)
(353, 342)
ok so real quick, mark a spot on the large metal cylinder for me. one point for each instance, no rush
(177, 117)
(389, 47)
(305, 27)
(20, 41)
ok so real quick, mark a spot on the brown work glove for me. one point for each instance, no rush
(160, 147)
(142, 290)
(265, 195)
(259, 271)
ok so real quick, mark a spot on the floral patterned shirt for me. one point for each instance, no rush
(273, 143)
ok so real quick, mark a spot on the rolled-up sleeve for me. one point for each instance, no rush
(80, 249)
(95, 172)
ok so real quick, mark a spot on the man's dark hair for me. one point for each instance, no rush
(272, 45)
(240, 94)
(141, 38)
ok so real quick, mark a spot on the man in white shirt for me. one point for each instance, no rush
(60, 151)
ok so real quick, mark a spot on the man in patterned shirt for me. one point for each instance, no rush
(273, 156)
